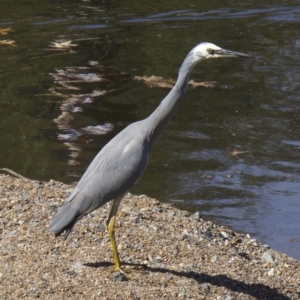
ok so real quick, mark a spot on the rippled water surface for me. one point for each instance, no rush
(232, 151)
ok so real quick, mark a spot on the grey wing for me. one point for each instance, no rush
(113, 171)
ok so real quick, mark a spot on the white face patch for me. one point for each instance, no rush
(201, 50)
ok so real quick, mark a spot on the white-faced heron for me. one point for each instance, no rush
(122, 161)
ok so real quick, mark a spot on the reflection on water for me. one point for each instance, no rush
(232, 151)
(66, 82)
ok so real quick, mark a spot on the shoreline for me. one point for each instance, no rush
(166, 253)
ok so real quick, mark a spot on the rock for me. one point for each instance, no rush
(17, 207)
(118, 276)
(224, 235)
(157, 259)
(189, 268)
(208, 234)
(205, 286)
(126, 209)
(271, 272)
(196, 216)
(156, 209)
(138, 247)
(214, 259)
(127, 259)
(193, 240)
(171, 214)
(39, 185)
(95, 226)
(267, 257)
(153, 227)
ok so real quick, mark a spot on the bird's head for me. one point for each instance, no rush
(209, 50)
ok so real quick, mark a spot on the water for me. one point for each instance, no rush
(231, 152)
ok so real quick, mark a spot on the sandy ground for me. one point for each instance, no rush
(166, 253)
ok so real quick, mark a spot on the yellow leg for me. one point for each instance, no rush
(111, 232)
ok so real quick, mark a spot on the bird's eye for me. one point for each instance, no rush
(211, 51)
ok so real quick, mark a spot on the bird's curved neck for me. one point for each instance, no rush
(163, 113)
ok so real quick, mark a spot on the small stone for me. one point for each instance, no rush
(17, 207)
(157, 259)
(40, 184)
(193, 240)
(189, 268)
(174, 294)
(135, 219)
(205, 286)
(153, 227)
(208, 234)
(179, 214)
(223, 234)
(267, 257)
(138, 247)
(271, 272)
(156, 209)
(214, 259)
(94, 226)
(235, 241)
(9, 205)
(127, 259)
(196, 216)
(171, 214)
(126, 209)
(143, 209)
(118, 277)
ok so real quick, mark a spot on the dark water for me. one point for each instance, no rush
(232, 151)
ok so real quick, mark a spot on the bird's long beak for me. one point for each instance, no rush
(228, 53)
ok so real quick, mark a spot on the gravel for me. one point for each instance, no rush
(167, 253)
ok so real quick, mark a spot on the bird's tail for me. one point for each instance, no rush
(64, 219)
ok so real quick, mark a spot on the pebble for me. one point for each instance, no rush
(224, 235)
(271, 272)
(214, 259)
(267, 257)
(196, 216)
(118, 277)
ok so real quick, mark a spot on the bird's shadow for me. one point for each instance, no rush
(256, 290)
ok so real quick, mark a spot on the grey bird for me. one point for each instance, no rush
(121, 162)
